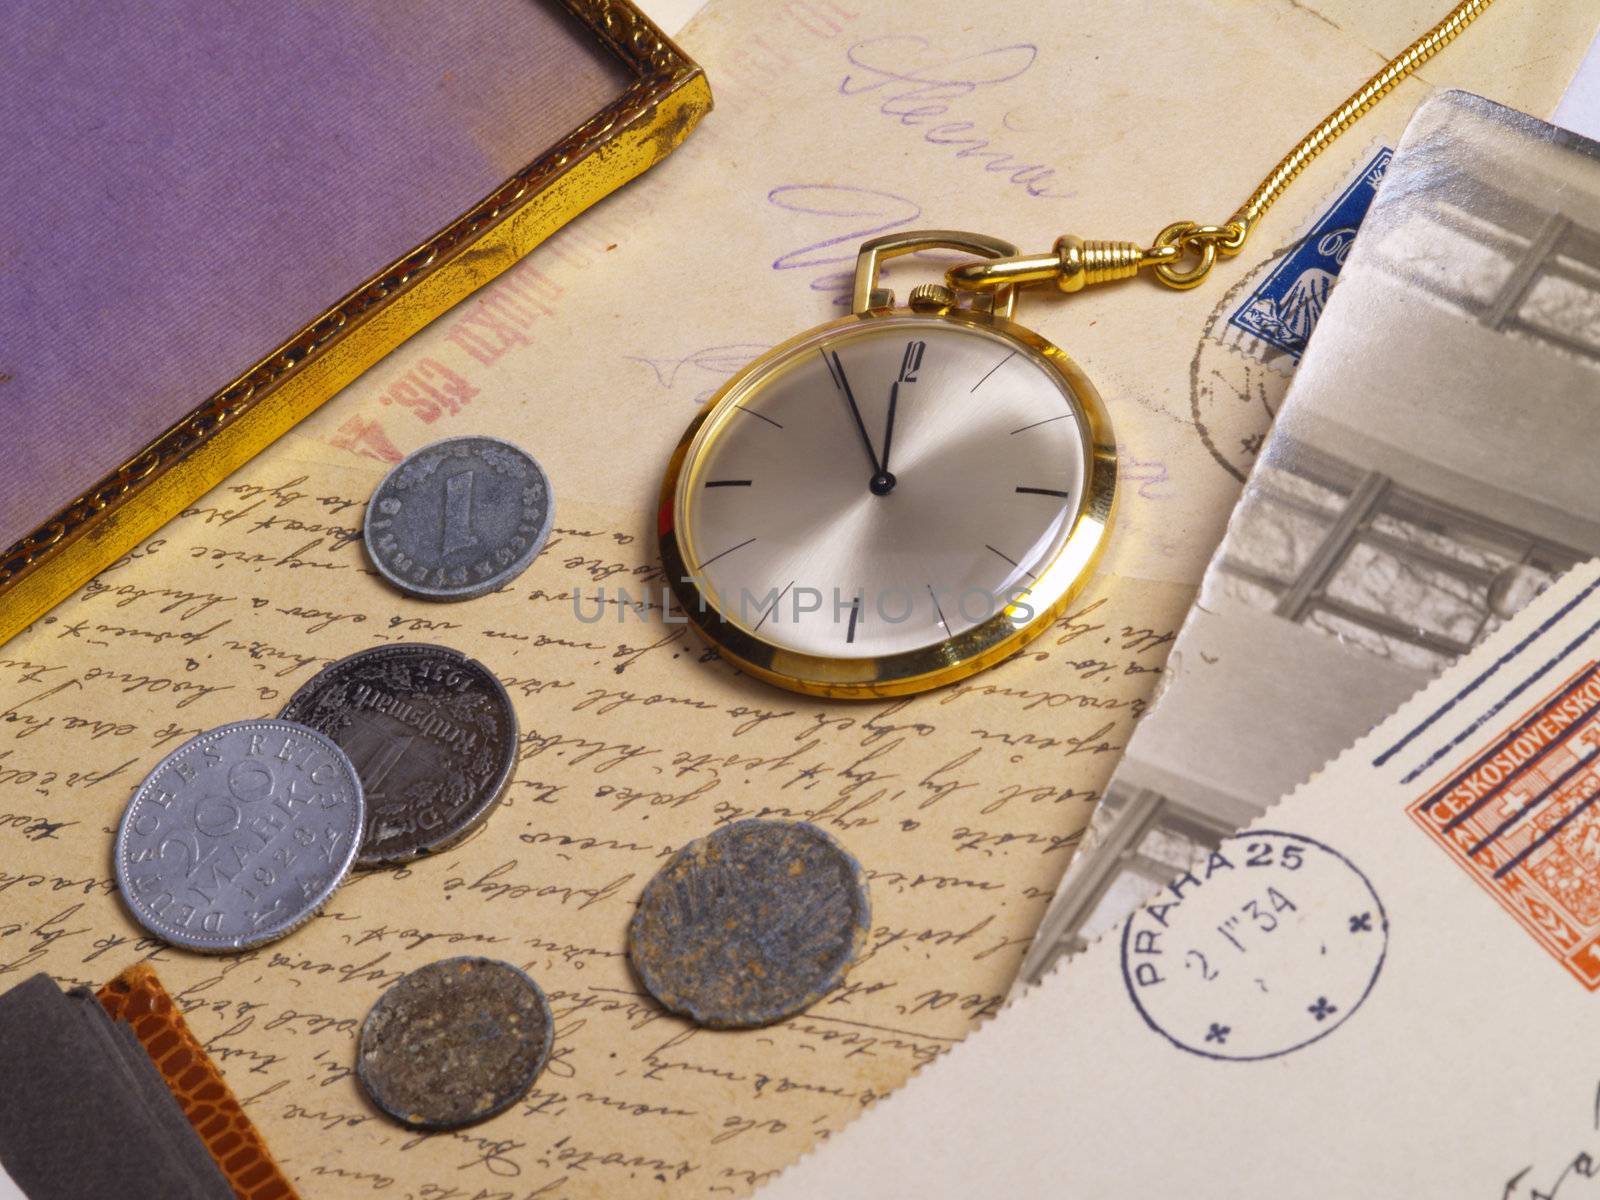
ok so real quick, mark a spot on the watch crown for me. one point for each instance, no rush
(931, 296)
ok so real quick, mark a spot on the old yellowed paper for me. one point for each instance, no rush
(835, 122)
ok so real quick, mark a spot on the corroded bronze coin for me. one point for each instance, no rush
(432, 734)
(750, 924)
(454, 1042)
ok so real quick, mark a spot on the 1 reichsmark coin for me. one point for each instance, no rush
(239, 835)
(431, 733)
(459, 518)
(454, 1042)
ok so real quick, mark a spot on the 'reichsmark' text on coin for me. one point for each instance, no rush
(454, 1042)
(432, 734)
(459, 518)
(239, 835)
(750, 924)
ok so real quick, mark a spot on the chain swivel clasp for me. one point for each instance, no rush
(997, 297)
(1074, 263)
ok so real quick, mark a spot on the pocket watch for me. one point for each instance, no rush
(893, 500)
(903, 497)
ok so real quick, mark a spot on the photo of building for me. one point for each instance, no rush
(1434, 467)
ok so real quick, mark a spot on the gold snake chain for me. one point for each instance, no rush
(1075, 262)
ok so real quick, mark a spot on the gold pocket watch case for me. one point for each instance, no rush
(894, 500)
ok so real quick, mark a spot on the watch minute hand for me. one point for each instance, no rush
(836, 369)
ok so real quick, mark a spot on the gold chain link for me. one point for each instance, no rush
(1073, 262)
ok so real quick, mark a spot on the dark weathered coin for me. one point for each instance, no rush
(454, 1042)
(750, 924)
(239, 835)
(432, 734)
(459, 518)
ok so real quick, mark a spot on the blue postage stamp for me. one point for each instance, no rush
(1285, 308)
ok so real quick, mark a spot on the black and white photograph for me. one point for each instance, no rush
(1378, 539)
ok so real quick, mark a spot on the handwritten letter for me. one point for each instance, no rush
(963, 804)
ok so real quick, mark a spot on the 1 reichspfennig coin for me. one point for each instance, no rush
(750, 924)
(459, 518)
(454, 1042)
(432, 734)
(239, 835)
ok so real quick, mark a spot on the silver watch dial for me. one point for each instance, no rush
(883, 487)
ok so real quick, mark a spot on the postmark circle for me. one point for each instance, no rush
(204, 868)
(1236, 382)
(1269, 945)
(750, 924)
(454, 1042)
(458, 518)
(431, 732)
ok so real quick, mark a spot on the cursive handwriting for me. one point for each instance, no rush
(1583, 1165)
(850, 215)
(896, 72)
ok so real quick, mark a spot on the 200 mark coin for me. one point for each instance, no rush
(432, 734)
(459, 518)
(239, 835)
(454, 1042)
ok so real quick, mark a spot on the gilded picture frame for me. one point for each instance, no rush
(665, 98)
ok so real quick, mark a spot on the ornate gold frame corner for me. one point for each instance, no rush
(666, 99)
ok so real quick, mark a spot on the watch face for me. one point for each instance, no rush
(884, 486)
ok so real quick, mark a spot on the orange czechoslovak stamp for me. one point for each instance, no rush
(1521, 817)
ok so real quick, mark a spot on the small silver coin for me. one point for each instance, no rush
(239, 835)
(432, 734)
(459, 518)
(454, 1042)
